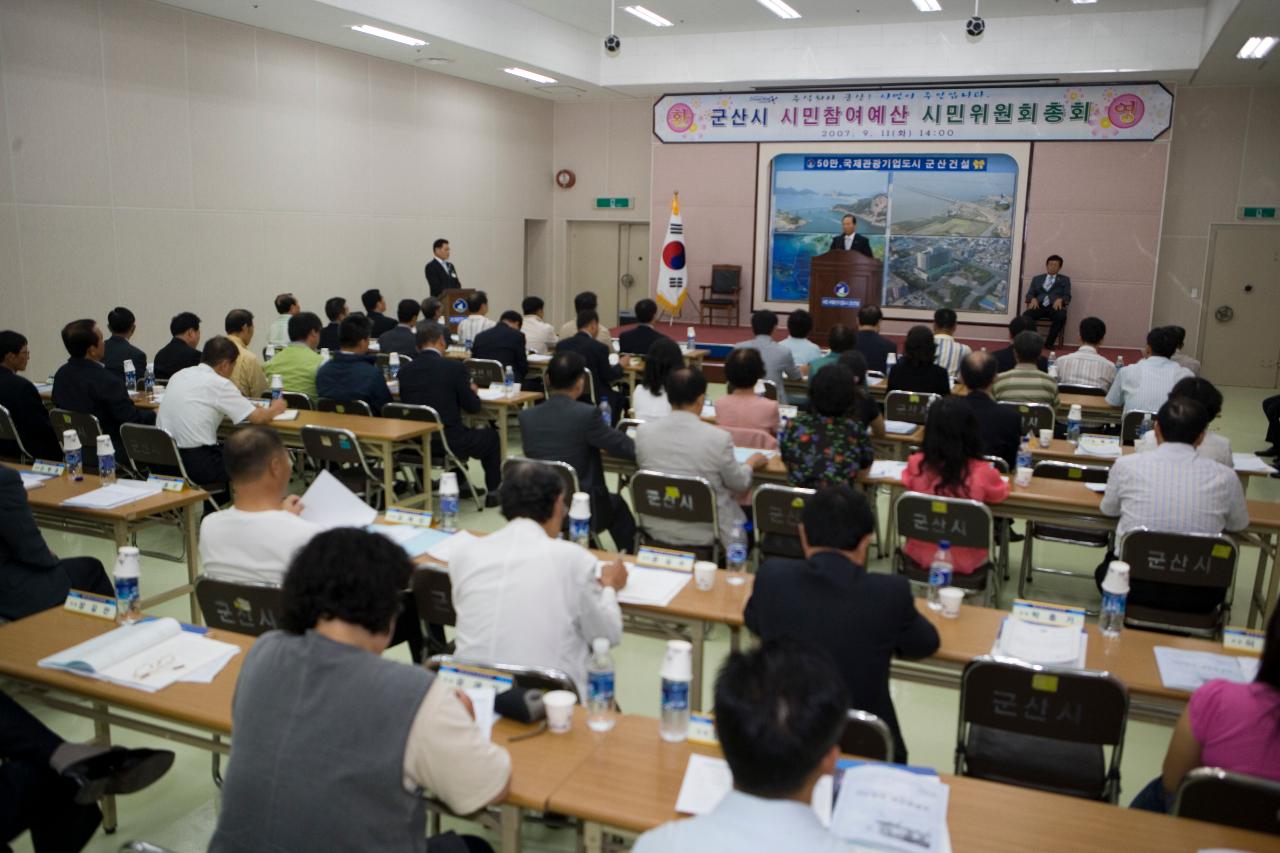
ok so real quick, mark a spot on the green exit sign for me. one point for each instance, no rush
(1250, 212)
(614, 203)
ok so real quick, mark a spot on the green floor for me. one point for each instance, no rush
(180, 812)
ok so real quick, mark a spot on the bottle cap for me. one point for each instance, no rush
(128, 551)
(613, 359)
(127, 563)
(580, 507)
(944, 544)
(1117, 581)
(600, 645)
(70, 440)
(277, 381)
(677, 665)
(128, 365)
(151, 365)
(449, 480)
(1075, 413)
(394, 358)
(104, 445)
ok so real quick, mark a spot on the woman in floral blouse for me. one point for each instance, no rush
(830, 445)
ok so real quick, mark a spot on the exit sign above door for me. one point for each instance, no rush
(618, 203)
(1245, 212)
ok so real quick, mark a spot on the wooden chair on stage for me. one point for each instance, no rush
(722, 294)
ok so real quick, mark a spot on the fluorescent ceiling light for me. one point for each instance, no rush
(927, 5)
(387, 34)
(649, 17)
(1257, 47)
(777, 7)
(1084, 2)
(530, 75)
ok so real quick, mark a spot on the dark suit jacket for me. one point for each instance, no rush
(505, 344)
(381, 324)
(117, 350)
(860, 244)
(439, 280)
(1061, 290)
(348, 376)
(574, 432)
(596, 355)
(329, 337)
(875, 349)
(401, 339)
(444, 385)
(175, 356)
(638, 340)
(28, 580)
(861, 620)
(1001, 427)
(84, 386)
(1006, 360)
(30, 418)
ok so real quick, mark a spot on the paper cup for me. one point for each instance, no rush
(1046, 437)
(951, 597)
(1023, 477)
(704, 575)
(559, 705)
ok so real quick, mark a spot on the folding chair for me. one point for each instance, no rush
(1131, 423)
(629, 426)
(1233, 799)
(749, 437)
(152, 450)
(9, 432)
(1087, 390)
(776, 511)
(343, 407)
(251, 609)
(1042, 727)
(866, 735)
(338, 451)
(528, 677)
(1035, 416)
(485, 371)
(1065, 534)
(87, 429)
(451, 462)
(1002, 527)
(591, 388)
(908, 406)
(297, 400)
(433, 593)
(1192, 561)
(677, 497)
(961, 521)
(768, 389)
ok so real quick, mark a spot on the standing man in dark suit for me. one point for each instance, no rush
(374, 306)
(504, 342)
(441, 275)
(181, 351)
(1005, 358)
(122, 324)
(1049, 296)
(83, 385)
(1000, 426)
(605, 367)
(850, 240)
(638, 340)
(829, 600)
(444, 385)
(335, 308)
(402, 338)
(20, 397)
(567, 430)
(874, 347)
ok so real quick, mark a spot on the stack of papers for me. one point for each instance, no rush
(330, 504)
(742, 454)
(650, 587)
(1039, 643)
(900, 427)
(444, 549)
(1181, 669)
(118, 494)
(415, 541)
(147, 656)
(1099, 445)
(1250, 463)
(44, 387)
(887, 469)
(32, 480)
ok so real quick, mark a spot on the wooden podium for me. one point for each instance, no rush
(451, 315)
(839, 284)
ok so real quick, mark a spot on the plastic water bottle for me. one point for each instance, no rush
(1053, 362)
(449, 501)
(736, 556)
(149, 379)
(324, 355)
(467, 343)
(509, 382)
(690, 340)
(1119, 362)
(393, 365)
(1074, 416)
(890, 360)
(939, 574)
(1145, 426)
(72, 455)
(277, 386)
(106, 460)
(600, 687)
(1024, 452)
(606, 412)
(580, 519)
(130, 375)
(1115, 592)
(128, 595)
(677, 674)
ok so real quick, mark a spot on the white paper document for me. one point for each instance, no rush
(1250, 463)
(887, 469)
(742, 454)
(650, 587)
(330, 504)
(1100, 488)
(146, 656)
(482, 702)
(446, 548)
(883, 807)
(117, 494)
(900, 427)
(415, 541)
(1038, 643)
(1181, 669)
(534, 358)
(493, 392)
(32, 480)
(706, 782)
(1098, 445)
(287, 415)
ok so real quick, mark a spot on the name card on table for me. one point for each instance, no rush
(416, 517)
(1049, 614)
(44, 466)
(169, 484)
(101, 606)
(702, 729)
(665, 558)
(464, 677)
(1243, 639)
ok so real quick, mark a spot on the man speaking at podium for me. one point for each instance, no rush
(850, 240)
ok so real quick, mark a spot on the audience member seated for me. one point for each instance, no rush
(444, 385)
(779, 365)
(539, 335)
(585, 301)
(248, 375)
(1000, 427)
(83, 385)
(649, 399)
(605, 366)
(525, 596)
(1271, 410)
(832, 443)
(22, 399)
(401, 337)
(948, 352)
(1085, 366)
(297, 363)
(119, 347)
(1172, 489)
(840, 339)
(1048, 298)
(1215, 446)
(829, 600)
(1026, 383)
(287, 307)
(336, 744)
(568, 430)
(742, 407)
(1226, 724)
(504, 343)
(799, 325)
(683, 443)
(353, 374)
(864, 408)
(915, 371)
(875, 348)
(477, 319)
(432, 315)
(1145, 385)
(180, 352)
(1179, 357)
(779, 713)
(335, 309)
(254, 540)
(374, 308)
(639, 339)
(1005, 358)
(195, 404)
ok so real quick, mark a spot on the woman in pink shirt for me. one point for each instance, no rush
(1226, 724)
(951, 465)
(741, 407)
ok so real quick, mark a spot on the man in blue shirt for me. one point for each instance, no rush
(353, 374)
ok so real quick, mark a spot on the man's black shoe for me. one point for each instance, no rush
(117, 771)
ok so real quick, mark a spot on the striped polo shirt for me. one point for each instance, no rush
(1026, 384)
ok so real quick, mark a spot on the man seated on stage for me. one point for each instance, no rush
(779, 363)
(477, 319)
(335, 744)
(1000, 426)
(874, 347)
(298, 362)
(605, 366)
(637, 340)
(585, 301)
(504, 343)
(539, 335)
(525, 596)
(254, 540)
(335, 309)
(1005, 358)
(829, 600)
(803, 350)
(195, 404)
(1048, 298)
(849, 240)
(779, 713)
(248, 375)
(20, 397)
(83, 385)
(947, 351)
(180, 353)
(374, 306)
(401, 338)
(1026, 383)
(1085, 366)
(119, 347)
(1179, 357)
(287, 307)
(353, 374)
(1146, 385)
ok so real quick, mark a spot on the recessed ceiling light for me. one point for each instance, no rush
(390, 36)
(530, 75)
(1084, 2)
(1257, 47)
(927, 5)
(648, 16)
(777, 7)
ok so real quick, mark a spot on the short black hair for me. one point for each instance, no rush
(284, 302)
(348, 574)
(1182, 420)
(646, 310)
(744, 367)
(370, 298)
(1057, 258)
(184, 321)
(80, 336)
(529, 490)
(832, 391)
(333, 308)
(584, 301)
(944, 318)
(248, 452)
(856, 362)
(1018, 325)
(837, 517)
(354, 329)
(407, 310)
(302, 324)
(428, 333)
(1027, 346)
(763, 322)
(237, 319)
(870, 315)
(564, 370)
(848, 216)
(684, 386)
(779, 711)
(664, 356)
(1162, 342)
(1179, 335)
(842, 338)
(120, 321)
(1200, 390)
(219, 349)
(439, 241)
(586, 317)
(510, 316)
(799, 323)
(918, 349)
(978, 370)
(431, 307)
(11, 342)
(1092, 330)
(478, 300)
(532, 305)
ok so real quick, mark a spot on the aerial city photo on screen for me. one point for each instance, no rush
(942, 225)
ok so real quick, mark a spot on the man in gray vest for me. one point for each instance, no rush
(334, 745)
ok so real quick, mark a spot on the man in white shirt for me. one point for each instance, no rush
(1085, 366)
(539, 336)
(780, 710)
(525, 596)
(1179, 339)
(476, 321)
(286, 307)
(1215, 446)
(254, 540)
(195, 402)
(1146, 385)
(947, 351)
